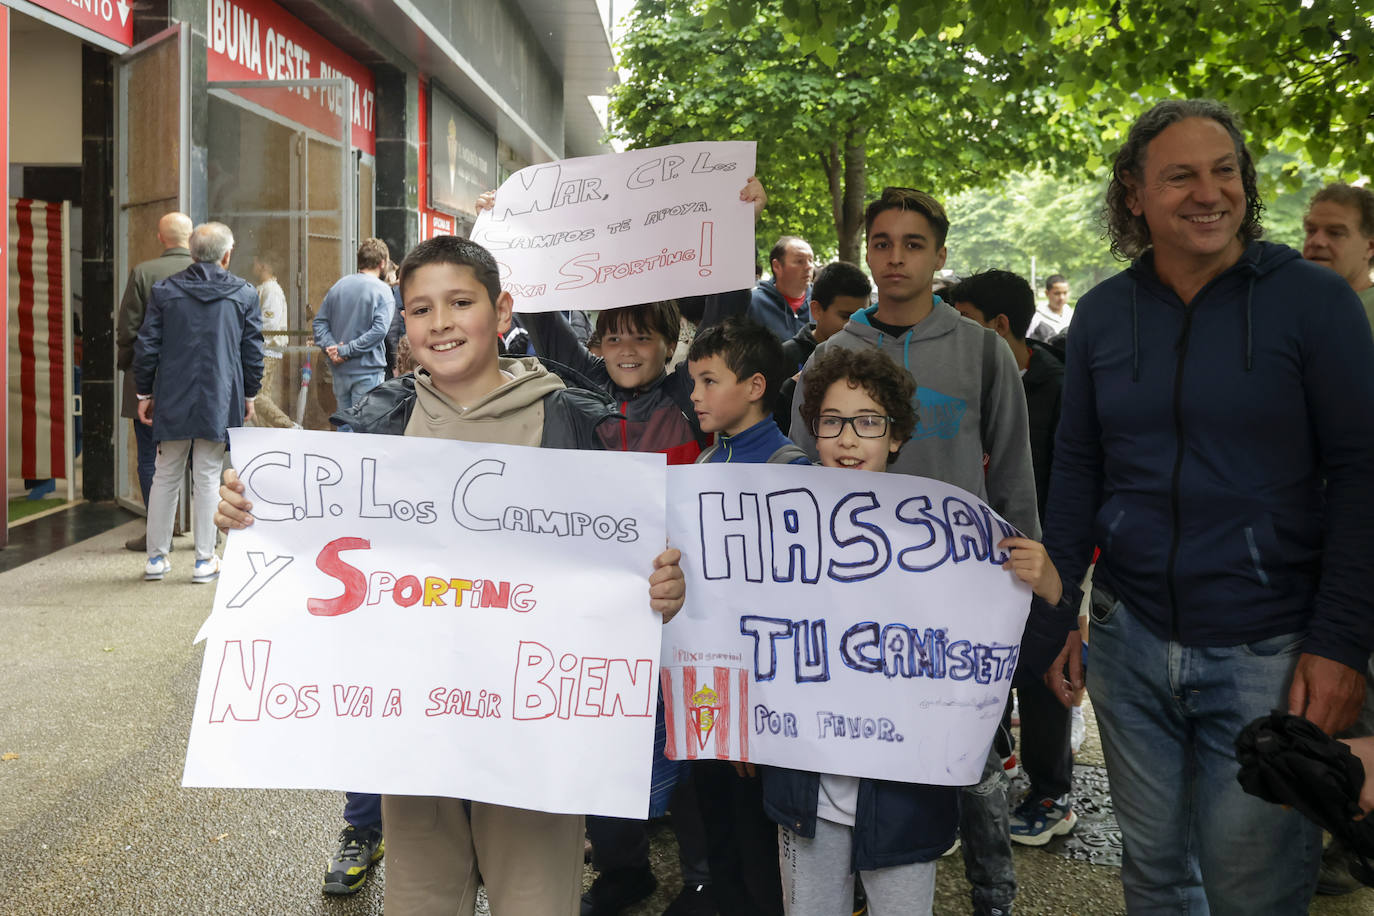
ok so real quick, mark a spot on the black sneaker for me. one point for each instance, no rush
(692, 900)
(613, 891)
(860, 899)
(1335, 879)
(359, 849)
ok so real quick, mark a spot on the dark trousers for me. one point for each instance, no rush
(1045, 753)
(362, 809)
(624, 843)
(741, 841)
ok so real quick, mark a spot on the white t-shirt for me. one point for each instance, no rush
(273, 303)
(837, 799)
(1047, 324)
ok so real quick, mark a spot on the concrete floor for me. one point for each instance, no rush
(97, 683)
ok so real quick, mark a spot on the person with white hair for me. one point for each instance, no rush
(197, 367)
(173, 234)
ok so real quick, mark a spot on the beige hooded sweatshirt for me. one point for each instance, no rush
(512, 414)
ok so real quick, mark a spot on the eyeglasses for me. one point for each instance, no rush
(867, 426)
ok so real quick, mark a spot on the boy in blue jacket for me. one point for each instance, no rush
(737, 368)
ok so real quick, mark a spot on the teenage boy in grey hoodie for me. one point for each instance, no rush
(972, 433)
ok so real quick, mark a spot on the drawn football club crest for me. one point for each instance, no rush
(706, 709)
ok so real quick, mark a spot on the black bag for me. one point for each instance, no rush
(1289, 761)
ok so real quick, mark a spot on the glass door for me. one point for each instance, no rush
(152, 177)
(282, 176)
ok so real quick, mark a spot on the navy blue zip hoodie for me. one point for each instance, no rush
(755, 445)
(1221, 455)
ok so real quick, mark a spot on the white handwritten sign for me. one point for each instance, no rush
(427, 617)
(839, 622)
(607, 231)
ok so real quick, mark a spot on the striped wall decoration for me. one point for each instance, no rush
(39, 363)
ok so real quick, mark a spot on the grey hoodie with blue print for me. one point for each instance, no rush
(972, 432)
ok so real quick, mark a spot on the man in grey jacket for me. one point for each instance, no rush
(972, 432)
(197, 368)
(173, 233)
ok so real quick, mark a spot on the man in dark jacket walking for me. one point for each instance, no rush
(197, 368)
(1216, 442)
(173, 233)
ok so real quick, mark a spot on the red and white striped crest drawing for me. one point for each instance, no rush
(707, 712)
(40, 380)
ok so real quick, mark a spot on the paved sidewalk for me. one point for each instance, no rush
(97, 684)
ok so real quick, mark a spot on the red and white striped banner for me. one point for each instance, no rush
(40, 375)
(706, 710)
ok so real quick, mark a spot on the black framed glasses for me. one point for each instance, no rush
(866, 426)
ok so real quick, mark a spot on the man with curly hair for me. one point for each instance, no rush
(1216, 442)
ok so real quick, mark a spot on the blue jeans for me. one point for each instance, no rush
(985, 828)
(1168, 714)
(349, 389)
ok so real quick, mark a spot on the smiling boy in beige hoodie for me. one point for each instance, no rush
(530, 861)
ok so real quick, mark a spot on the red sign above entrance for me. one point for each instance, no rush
(258, 40)
(111, 18)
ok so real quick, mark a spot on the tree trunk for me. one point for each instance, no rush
(846, 172)
(830, 162)
(849, 213)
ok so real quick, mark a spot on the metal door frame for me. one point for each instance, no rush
(180, 33)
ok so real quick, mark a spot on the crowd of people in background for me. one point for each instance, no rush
(1187, 451)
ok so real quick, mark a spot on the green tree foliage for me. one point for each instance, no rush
(1032, 217)
(928, 112)
(1056, 222)
(1300, 72)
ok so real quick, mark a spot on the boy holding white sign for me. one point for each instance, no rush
(973, 434)
(859, 407)
(737, 368)
(530, 861)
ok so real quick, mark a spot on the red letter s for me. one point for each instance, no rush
(354, 582)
